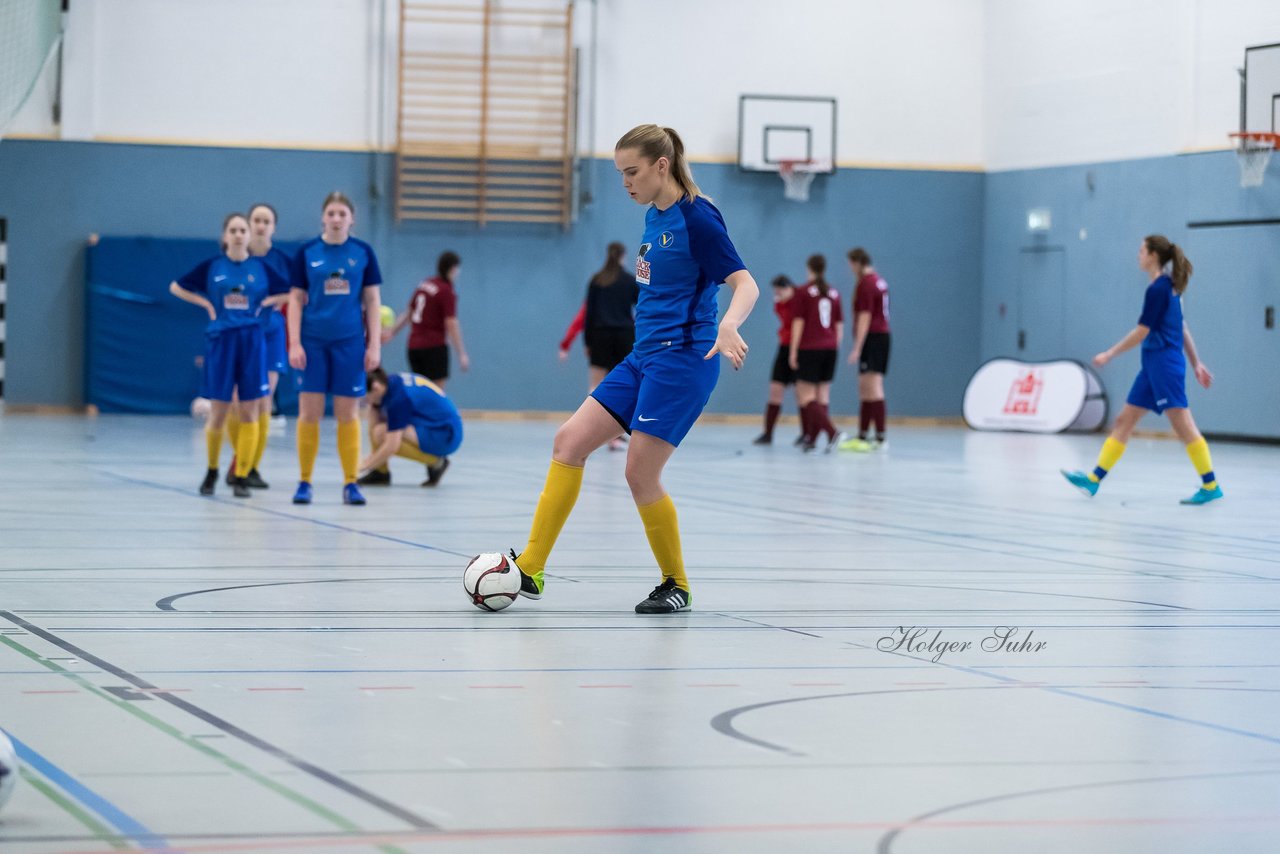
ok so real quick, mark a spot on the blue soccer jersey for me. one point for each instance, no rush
(236, 289)
(1162, 314)
(334, 278)
(685, 255)
(280, 262)
(413, 399)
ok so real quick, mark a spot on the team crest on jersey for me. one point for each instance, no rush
(336, 286)
(351, 262)
(251, 278)
(666, 239)
(642, 266)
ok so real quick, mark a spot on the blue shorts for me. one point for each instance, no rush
(334, 367)
(660, 393)
(277, 353)
(1162, 382)
(236, 362)
(439, 440)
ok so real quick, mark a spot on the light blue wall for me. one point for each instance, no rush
(1237, 273)
(520, 285)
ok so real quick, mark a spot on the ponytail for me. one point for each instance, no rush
(653, 142)
(1171, 254)
(612, 268)
(817, 265)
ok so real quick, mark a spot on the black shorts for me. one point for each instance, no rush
(875, 354)
(430, 362)
(816, 366)
(782, 372)
(609, 345)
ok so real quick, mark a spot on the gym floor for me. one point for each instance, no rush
(940, 647)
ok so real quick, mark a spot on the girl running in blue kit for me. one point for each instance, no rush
(1161, 384)
(658, 391)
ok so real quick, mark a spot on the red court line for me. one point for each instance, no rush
(347, 840)
(51, 692)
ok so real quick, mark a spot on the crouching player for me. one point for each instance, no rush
(409, 416)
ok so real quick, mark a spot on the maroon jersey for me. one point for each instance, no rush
(820, 311)
(433, 303)
(872, 295)
(783, 310)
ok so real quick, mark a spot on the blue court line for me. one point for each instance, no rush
(1065, 692)
(294, 516)
(109, 812)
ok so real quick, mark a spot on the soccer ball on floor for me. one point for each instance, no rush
(9, 767)
(492, 582)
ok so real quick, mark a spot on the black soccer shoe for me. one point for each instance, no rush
(530, 587)
(762, 439)
(255, 480)
(240, 487)
(210, 481)
(376, 478)
(666, 598)
(434, 473)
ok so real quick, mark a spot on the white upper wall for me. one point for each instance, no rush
(1095, 80)
(1003, 84)
(908, 75)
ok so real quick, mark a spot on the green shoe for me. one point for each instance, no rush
(1082, 482)
(861, 446)
(530, 585)
(1203, 496)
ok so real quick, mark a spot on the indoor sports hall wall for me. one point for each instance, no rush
(520, 285)
(1077, 289)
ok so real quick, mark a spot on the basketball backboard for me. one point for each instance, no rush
(1260, 103)
(774, 128)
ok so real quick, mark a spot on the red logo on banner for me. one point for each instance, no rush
(1024, 393)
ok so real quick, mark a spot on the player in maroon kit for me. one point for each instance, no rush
(816, 327)
(433, 311)
(870, 348)
(783, 374)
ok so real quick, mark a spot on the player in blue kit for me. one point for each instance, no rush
(1161, 384)
(410, 417)
(234, 288)
(335, 336)
(262, 227)
(658, 391)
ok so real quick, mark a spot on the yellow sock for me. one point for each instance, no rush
(410, 451)
(1107, 458)
(264, 427)
(1199, 453)
(559, 494)
(246, 445)
(233, 428)
(663, 530)
(349, 449)
(213, 439)
(384, 468)
(308, 447)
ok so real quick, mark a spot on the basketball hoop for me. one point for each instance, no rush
(1253, 152)
(797, 175)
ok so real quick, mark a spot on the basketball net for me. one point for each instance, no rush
(797, 175)
(1253, 153)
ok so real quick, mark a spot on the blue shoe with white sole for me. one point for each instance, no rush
(1082, 482)
(1203, 496)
